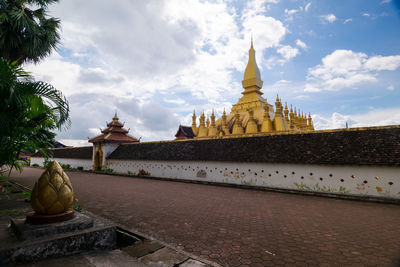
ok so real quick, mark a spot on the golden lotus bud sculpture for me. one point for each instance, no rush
(52, 194)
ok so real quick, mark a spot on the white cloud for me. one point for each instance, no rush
(145, 50)
(385, 1)
(329, 18)
(307, 7)
(75, 142)
(95, 131)
(178, 101)
(376, 117)
(346, 69)
(289, 13)
(301, 44)
(383, 63)
(390, 88)
(365, 14)
(288, 52)
(347, 21)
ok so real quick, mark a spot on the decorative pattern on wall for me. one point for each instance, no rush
(356, 180)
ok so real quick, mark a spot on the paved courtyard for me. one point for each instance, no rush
(241, 227)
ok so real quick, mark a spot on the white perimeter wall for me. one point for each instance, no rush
(355, 180)
(85, 163)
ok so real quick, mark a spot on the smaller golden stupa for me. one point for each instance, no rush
(52, 196)
(252, 114)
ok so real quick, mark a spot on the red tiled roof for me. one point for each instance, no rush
(114, 133)
(185, 131)
(114, 129)
(113, 137)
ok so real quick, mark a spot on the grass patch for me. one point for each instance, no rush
(25, 194)
(10, 211)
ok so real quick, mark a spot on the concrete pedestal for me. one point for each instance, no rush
(30, 243)
(26, 231)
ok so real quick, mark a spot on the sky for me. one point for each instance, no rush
(154, 62)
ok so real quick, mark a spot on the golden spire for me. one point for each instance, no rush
(194, 119)
(266, 125)
(203, 131)
(212, 118)
(194, 126)
(208, 121)
(251, 124)
(224, 125)
(115, 118)
(212, 131)
(286, 113)
(252, 83)
(310, 124)
(252, 78)
(237, 128)
(278, 110)
(202, 119)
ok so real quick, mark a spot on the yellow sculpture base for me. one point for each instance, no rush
(33, 218)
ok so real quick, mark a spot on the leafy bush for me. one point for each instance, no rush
(79, 168)
(131, 173)
(76, 206)
(65, 166)
(108, 170)
(46, 163)
(35, 165)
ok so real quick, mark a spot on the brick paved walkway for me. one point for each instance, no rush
(239, 227)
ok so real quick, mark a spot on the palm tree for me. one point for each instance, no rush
(29, 111)
(26, 33)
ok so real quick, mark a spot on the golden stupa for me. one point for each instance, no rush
(52, 193)
(252, 114)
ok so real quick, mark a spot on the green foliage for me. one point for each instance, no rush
(65, 166)
(5, 192)
(76, 206)
(29, 112)
(131, 173)
(25, 194)
(108, 170)
(35, 165)
(47, 162)
(26, 32)
(79, 168)
(9, 211)
(343, 190)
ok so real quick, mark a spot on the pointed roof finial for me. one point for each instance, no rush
(115, 118)
(252, 77)
(251, 40)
